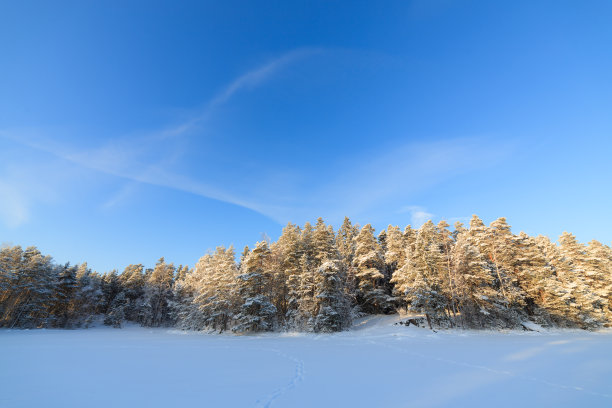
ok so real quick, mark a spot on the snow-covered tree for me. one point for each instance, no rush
(571, 266)
(368, 263)
(501, 299)
(213, 283)
(132, 282)
(88, 295)
(445, 241)
(476, 298)
(323, 243)
(420, 280)
(500, 248)
(314, 279)
(599, 276)
(534, 275)
(395, 249)
(332, 304)
(115, 314)
(158, 295)
(288, 252)
(345, 241)
(62, 307)
(111, 287)
(306, 290)
(256, 313)
(34, 289)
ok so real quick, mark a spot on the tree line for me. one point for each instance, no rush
(316, 279)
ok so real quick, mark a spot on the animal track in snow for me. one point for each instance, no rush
(503, 372)
(297, 377)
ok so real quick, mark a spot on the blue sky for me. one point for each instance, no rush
(134, 130)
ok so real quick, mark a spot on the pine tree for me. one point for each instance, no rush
(62, 311)
(395, 252)
(476, 298)
(181, 272)
(345, 244)
(215, 293)
(35, 288)
(306, 292)
(323, 245)
(372, 296)
(445, 242)
(88, 295)
(572, 268)
(245, 252)
(132, 281)
(382, 240)
(19, 287)
(257, 313)
(333, 307)
(599, 276)
(288, 252)
(496, 245)
(502, 252)
(111, 287)
(115, 314)
(345, 241)
(420, 280)
(186, 311)
(158, 295)
(547, 297)
(310, 279)
(8, 277)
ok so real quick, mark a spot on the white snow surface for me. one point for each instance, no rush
(376, 364)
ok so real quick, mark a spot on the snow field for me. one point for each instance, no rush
(377, 364)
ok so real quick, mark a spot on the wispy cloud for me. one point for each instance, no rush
(359, 189)
(367, 182)
(247, 81)
(114, 159)
(121, 195)
(14, 208)
(255, 77)
(418, 215)
(123, 161)
(356, 186)
(145, 159)
(27, 179)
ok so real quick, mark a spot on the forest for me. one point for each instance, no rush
(316, 279)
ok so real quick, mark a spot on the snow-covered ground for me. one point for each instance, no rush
(377, 364)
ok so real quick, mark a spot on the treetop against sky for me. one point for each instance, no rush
(131, 130)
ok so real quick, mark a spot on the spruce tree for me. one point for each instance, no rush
(571, 265)
(288, 251)
(445, 241)
(333, 306)
(395, 251)
(256, 313)
(216, 295)
(481, 277)
(475, 293)
(88, 295)
(420, 282)
(323, 245)
(133, 286)
(62, 310)
(345, 241)
(157, 296)
(368, 262)
(308, 266)
(599, 276)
